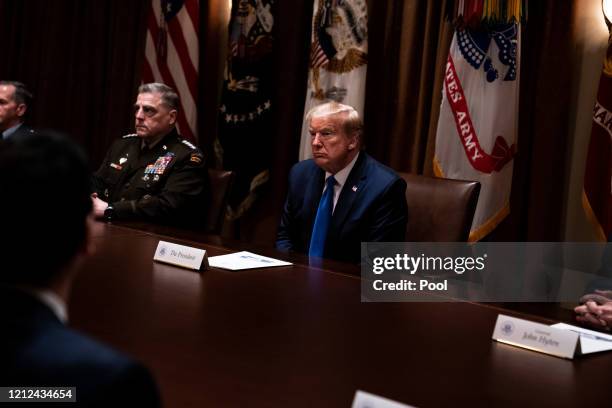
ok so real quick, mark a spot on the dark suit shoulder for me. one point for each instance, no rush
(54, 355)
(23, 130)
(382, 173)
(58, 347)
(87, 349)
(304, 165)
(304, 169)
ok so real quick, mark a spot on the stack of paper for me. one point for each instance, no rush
(590, 341)
(244, 260)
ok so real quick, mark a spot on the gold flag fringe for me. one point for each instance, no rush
(488, 12)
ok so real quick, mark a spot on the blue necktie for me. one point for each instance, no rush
(323, 219)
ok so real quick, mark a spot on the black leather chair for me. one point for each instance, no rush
(220, 186)
(439, 210)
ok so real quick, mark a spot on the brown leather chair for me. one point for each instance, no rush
(439, 210)
(220, 186)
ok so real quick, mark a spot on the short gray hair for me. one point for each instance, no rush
(351, 123)
(22, 95)
(168, 95)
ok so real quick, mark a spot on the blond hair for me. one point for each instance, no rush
(351, 122)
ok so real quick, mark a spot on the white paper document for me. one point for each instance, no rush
(244, 260)
(366, 400)
(590, 341)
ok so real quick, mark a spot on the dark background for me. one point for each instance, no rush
(82, 60)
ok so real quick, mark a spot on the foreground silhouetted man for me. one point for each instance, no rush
(342, 196)
(43, 237)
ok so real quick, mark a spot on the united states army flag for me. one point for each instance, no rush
(338, 58)
(477, 127)
(597, 196)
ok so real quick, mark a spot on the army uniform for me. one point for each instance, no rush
(166, 183)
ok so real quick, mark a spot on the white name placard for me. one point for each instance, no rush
(180, 255)
(535, 336)
(366, 400)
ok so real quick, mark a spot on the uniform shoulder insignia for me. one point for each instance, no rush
(129, 136)
(196, 158)
(188, 144)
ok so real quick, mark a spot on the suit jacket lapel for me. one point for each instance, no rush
(356, 178)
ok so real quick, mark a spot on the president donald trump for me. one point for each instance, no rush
(342, 196)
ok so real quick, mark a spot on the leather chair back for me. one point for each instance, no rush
(220, 186)
(439, 210)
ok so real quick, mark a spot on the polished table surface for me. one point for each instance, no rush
(299, 336)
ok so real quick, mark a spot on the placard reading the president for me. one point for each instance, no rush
(180, 255)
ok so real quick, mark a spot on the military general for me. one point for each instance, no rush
(153, 174)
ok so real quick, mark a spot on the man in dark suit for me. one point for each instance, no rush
(14, 102)
(46, 206)
(365, 201)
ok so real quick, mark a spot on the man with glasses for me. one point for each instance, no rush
(153, 174)
(342, 196)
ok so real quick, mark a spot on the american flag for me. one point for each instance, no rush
(318, 58)
(172, 53)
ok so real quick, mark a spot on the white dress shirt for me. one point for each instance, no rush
(52, 301)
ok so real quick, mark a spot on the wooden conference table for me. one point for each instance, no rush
(299, 336)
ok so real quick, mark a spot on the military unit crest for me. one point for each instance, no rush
(474, 46)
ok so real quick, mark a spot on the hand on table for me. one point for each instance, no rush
(594, 314)
(99, 206)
